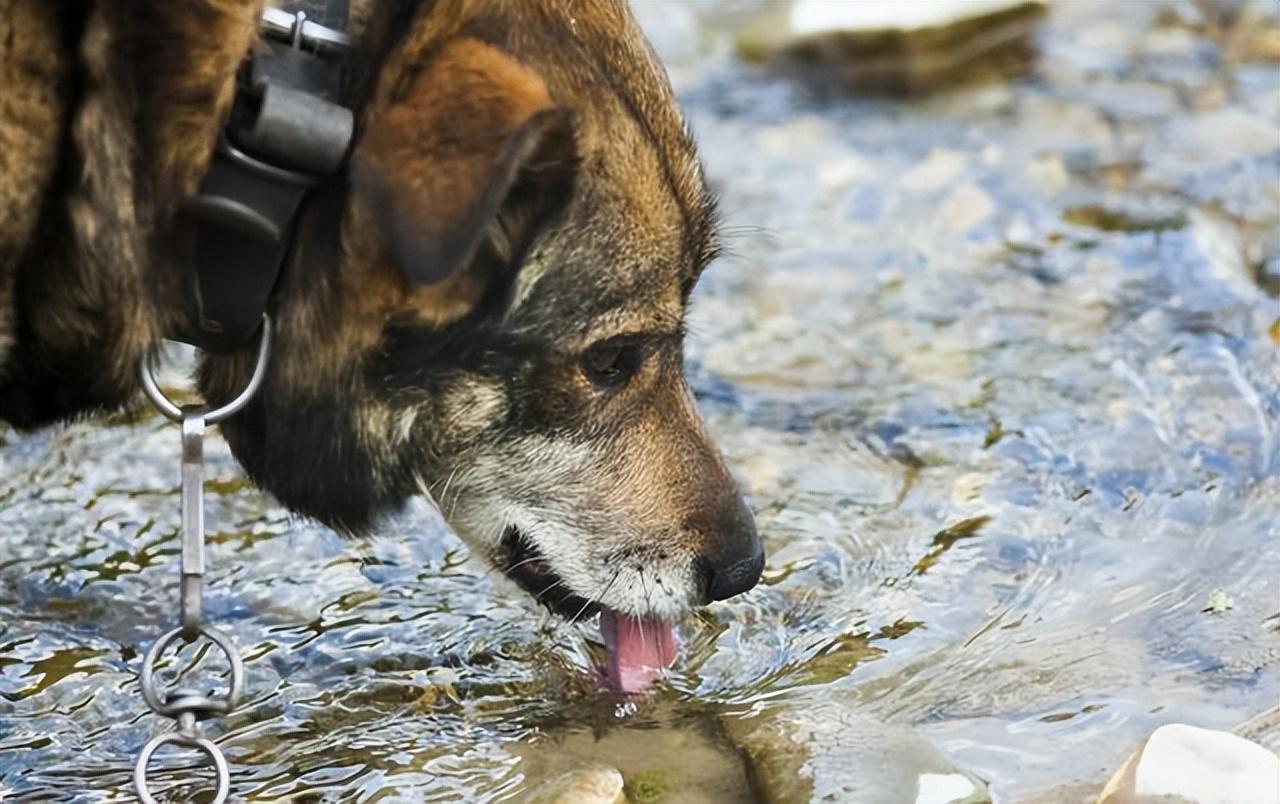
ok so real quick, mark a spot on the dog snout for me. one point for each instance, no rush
(732, 559)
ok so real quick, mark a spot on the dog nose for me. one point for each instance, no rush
(723, 581)
(731, 558)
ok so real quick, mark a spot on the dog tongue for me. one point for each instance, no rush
(639, 649)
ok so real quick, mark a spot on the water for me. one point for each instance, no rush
(998, 369)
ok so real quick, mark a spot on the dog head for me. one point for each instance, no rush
(489, 311)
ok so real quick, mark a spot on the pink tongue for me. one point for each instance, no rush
(639, 649)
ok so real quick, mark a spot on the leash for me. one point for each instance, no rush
(186, 706)
(286, 134)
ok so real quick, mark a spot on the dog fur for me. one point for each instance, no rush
(486, 308)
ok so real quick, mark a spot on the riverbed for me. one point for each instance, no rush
(998, 369)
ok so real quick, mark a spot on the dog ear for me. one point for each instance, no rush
(471, 151)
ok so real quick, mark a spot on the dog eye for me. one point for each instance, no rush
(610, 365)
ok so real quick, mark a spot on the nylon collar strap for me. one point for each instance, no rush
(286, 133)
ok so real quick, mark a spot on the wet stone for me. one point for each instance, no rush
(598, 785)
(822, 750)
(1263, 728)
(645, 751)
(896, 48)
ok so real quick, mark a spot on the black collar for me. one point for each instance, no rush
(286, 133)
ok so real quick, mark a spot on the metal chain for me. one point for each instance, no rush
(185, 706)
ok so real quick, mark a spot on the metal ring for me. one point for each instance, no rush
(174, 413)
(278, 24)
(208, 747)
(192, 703)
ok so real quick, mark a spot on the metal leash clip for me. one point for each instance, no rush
(185, 706)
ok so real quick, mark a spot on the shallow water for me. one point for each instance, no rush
(998, 369)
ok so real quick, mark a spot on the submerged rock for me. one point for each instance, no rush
(1263, 729)
(1200, 766)
(896, 47)
(647, 755)
(599, 785)
(823, 751)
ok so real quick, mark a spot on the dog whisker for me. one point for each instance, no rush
(597, 598)
(447, 482)
(498, 531)
(444, 497)
(548, 589)
(521, 563)
(648, 604)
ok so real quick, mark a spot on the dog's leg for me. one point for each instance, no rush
(84, 303)
(35, 71)
(152, 82)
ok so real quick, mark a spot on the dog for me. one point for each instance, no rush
(485, 307)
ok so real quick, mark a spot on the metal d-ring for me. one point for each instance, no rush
(202, 744)
(174, 412)
(183, 701)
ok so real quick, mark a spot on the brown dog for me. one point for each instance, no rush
(486, 307)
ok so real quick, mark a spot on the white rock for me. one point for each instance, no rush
(1201, 766)
(896, 46)
(817, 16)
(943, 788)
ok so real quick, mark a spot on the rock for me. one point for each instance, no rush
(819, 16)
(1263, 729)
(896, 47)
(655, 756)
(824, 751)
(947, 788)
(1183, 763)
(598, 785)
